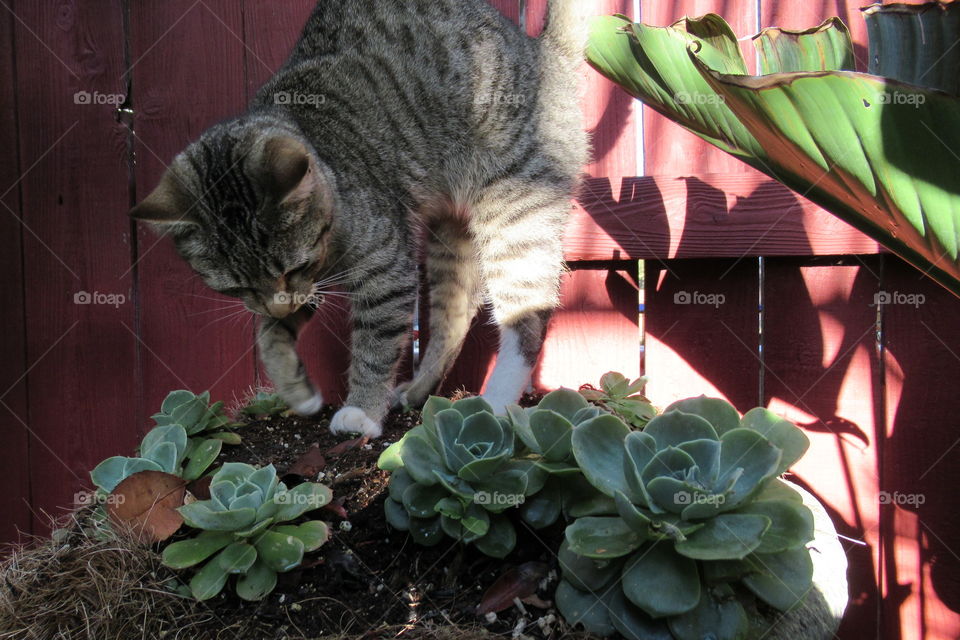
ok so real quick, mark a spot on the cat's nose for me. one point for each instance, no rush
(282, 304)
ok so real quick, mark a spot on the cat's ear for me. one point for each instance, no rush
(288, 172)
(170, 203)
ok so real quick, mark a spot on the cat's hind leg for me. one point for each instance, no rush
(521, 261)
(452, 279)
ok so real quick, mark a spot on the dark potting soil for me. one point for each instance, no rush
(369, 577)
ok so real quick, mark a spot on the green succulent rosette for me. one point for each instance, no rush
(244, 531)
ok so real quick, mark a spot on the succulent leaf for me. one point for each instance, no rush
(677, 427)
(237, 558)
(553, 433)
(585, 608)
(200, 516)
(721, 618)
(500, 538)
(792, 524)
(728, 536)
(201, 457)
(782, 433)
(426, 532)
(721, 415)
(595, 444)
(187, 553)
(313, 534)
(603, 537)
(302, 498)
(587, 574)
(746, 450)
(209, 581)
(661, 582)
(420, 500)
(257, 583)
(784, 578)
(564, 402)
(278, 551)
(397, 516)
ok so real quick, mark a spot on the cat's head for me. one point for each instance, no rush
(250, 209)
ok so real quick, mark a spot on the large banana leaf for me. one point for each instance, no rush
(880, 154)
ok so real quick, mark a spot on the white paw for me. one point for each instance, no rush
(309, 407)
(354, 420)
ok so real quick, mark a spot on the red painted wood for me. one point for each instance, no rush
(188, 73)
(920, 470)
(595, 330)
(15, 486)
(509, 8)
(271, 30)
(701, 330)
(699, 216)
(821, 371)
(669, 149)
(81, 376)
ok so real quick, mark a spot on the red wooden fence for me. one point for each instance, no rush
(104, 93)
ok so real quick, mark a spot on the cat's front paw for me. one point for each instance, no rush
(309, 407)
(354, 420)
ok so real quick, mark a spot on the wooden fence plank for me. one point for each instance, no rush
(595, 330)
(920, 470)
(188, 73)
(701, 322)
(81, 381)
(15, 488)
(703, 216)
(821, 371)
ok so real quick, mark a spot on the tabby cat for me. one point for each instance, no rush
(397, 129)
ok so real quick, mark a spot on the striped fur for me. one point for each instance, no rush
(396, 128)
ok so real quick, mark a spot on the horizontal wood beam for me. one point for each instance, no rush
(701, 216)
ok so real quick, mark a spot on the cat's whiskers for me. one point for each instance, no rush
(222, 318)
(229, 307)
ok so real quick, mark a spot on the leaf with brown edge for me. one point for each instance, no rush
(145, 503)
(307, 466)
(517, 583)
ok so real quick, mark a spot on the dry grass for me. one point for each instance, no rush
(85, 586)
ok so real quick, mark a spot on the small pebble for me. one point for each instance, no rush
(491, 617)
(346, 526)
(296, 606)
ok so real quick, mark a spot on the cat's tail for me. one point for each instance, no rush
(567, 27)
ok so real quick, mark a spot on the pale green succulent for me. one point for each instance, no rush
(455, 474)
(622, 397)
(242, 525)
(197, 416)
(166, 448)
(265, 403)
(699, 513)
(546, 432)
